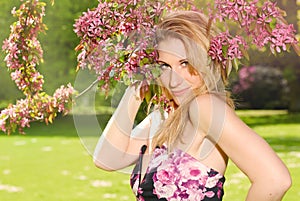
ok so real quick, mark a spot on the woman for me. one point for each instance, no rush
(184, 156)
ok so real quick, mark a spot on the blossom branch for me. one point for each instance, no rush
(87, 89)
(263, 26)
(23, 54)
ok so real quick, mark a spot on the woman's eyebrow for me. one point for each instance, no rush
(162, 62)
(182, 60)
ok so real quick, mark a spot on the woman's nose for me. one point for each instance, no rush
(175, 79)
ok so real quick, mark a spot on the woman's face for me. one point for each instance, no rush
(176, 76)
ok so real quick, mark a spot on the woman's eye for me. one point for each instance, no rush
(184, 63)
(165, 66)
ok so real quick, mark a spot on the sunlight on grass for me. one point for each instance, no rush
(257, 113)
(54, 168)
(50, 163)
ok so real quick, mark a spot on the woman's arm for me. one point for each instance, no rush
(119, 144)
(269, 176)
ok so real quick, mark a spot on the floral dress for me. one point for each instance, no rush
(176, 176)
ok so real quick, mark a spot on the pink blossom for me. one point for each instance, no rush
(232, 45)
(23, 48)
(23, 54)
(256, 22)
(62, 96)
(159, 155)
(281, 36)
(125, 30)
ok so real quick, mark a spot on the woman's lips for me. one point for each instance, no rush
(179, 92)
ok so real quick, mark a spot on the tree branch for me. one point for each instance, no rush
(87, 89)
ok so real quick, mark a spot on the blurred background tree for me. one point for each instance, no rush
(260, 87)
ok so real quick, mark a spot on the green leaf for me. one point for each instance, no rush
(126, 80)
(30, 57)
(122, 59)
(156, 72)
(148, 96)
(144, 61)
(236, 64)
(115, 5)
(245, 53)
(139, 77)
(229, 68)
(273, 23)
(225, 50)
(209, 60)
(13, 127)
(119, 37)
(269, 28)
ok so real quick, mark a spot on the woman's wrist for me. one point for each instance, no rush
(128, 106)
(134, 92)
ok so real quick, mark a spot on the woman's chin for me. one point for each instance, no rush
(179, 99)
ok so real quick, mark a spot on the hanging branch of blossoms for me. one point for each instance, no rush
(23, 49)
(23, 54)
(116, 37)
(116, 41)
(263, 26)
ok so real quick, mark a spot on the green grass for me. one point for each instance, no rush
(50, 162)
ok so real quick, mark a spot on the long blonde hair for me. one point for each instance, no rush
(195, 31)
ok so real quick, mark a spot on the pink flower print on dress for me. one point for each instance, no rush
(164, 191)
(158, 156)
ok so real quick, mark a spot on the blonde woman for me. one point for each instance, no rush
(183, 155)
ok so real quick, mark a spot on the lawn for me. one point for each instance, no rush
(52, 163)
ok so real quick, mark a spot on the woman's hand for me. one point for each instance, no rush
(139, 89)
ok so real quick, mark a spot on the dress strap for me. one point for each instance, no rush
(142, 152)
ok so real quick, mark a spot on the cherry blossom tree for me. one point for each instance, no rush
(116, 43)
(23, 55)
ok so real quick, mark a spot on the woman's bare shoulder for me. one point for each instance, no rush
(206, 109)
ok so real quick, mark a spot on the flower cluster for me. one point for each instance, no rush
(23, 49)
(163, 102)
(62, 97)
(263, 26)
(25, 77)
(117, 39)
(23, 54)
(281, 38)
(226, 49)
(39, 107)
(182, 177)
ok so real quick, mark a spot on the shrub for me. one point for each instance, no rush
(260, 87)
